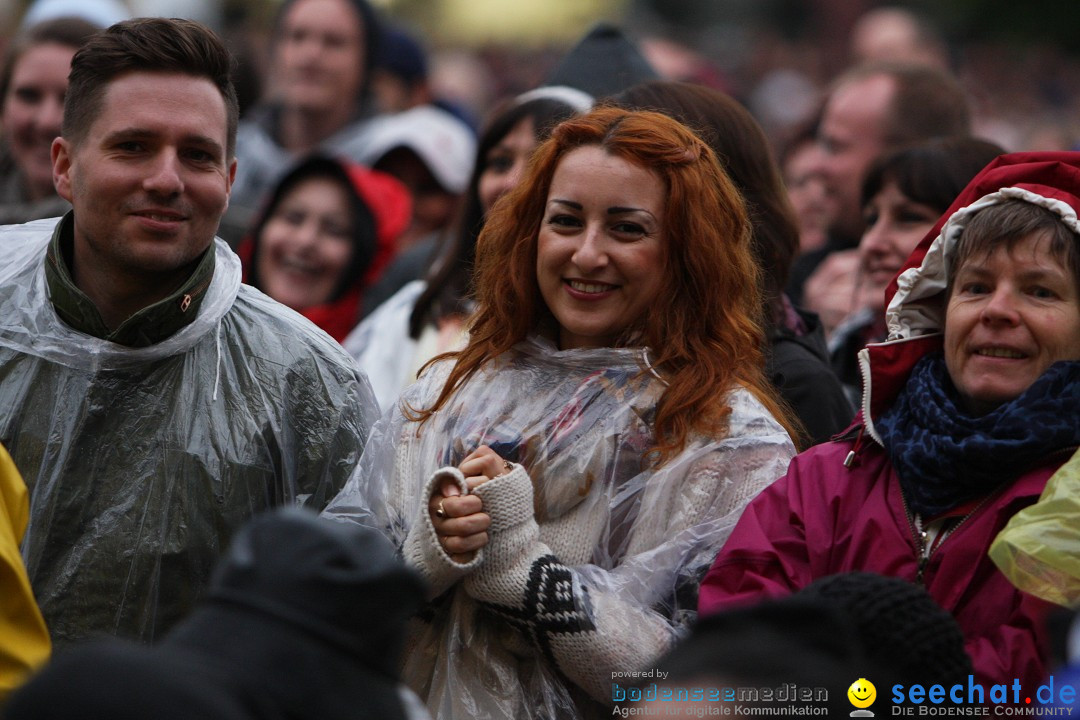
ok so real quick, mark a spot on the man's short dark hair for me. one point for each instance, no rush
(146, 45)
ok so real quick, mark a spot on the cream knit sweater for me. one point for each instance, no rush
(593, 560)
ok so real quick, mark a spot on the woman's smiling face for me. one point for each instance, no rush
(894, 226)
(306, 244)
(600, 250)
(33, 109)
(1012, 313)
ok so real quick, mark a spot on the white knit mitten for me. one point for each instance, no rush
(521, 580)
(422, 549)
(514, 538)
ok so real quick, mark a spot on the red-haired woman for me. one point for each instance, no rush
(562, 481)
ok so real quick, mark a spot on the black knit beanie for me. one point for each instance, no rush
(603, 63)
(304, 620)
(900, 627)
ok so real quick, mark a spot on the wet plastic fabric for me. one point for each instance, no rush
(382, 348)
(594, 559)
(141, 462)
(1039, 550)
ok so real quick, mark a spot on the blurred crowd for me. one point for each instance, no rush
(591, 338)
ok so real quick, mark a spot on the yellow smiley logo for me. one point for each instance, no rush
(862, 693)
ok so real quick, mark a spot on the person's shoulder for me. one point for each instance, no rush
(750, 417)
(257, 150)
(33, 232)
(24, 244)
(827, 454)
(404, 299)
(280, 334)
(386, 328)
(837, 469)
(796, 359)
(354, 139)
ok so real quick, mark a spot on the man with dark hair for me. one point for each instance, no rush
(872, 109)
(321, 56)
(151, 401)
(878, 107)
(148, 45)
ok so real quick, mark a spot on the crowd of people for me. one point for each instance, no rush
(347, 403)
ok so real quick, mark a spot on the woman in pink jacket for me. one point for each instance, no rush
(967, 409)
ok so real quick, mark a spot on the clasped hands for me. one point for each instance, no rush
(459, 520)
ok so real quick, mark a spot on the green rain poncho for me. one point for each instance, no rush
(1039, 550)
(141, 462)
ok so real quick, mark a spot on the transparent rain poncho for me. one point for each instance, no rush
(141, 462)
(594, 558)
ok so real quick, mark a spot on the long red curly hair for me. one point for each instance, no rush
(705, 336)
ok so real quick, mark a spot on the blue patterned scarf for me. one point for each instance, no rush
(945, 457)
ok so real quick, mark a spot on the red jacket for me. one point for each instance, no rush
(825, 517)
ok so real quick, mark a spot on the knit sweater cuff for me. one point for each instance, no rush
(422, 549)
(514, 539)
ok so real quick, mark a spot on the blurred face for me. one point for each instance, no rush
(33, 109)
(394, 94)
(852, 135)
(505, 163)
(1010, 316)
(600, 248)
(306, 244)
(321, 55)
(433, 207)
(806, 190)
(894, 226)
(149, 181)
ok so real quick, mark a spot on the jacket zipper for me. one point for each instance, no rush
(920, 535)
(185, 302)
(946, 533)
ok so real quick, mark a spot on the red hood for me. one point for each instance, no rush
(915, 298)
(391, 205)
(391, 208)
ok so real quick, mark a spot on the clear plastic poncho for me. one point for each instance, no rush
(1039, 550)
(594, 558)
(141, 462)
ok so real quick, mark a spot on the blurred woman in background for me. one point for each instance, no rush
(903, 194)
(33, 82)
(797, 361)
(318, 99)
(327, 232)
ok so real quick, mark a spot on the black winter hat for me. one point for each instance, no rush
(901, 628)
(603, 63)
(795, 639)
(804, 641)
(304, 618)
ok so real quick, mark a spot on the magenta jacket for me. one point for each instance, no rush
(823, 518)
(840, 507)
